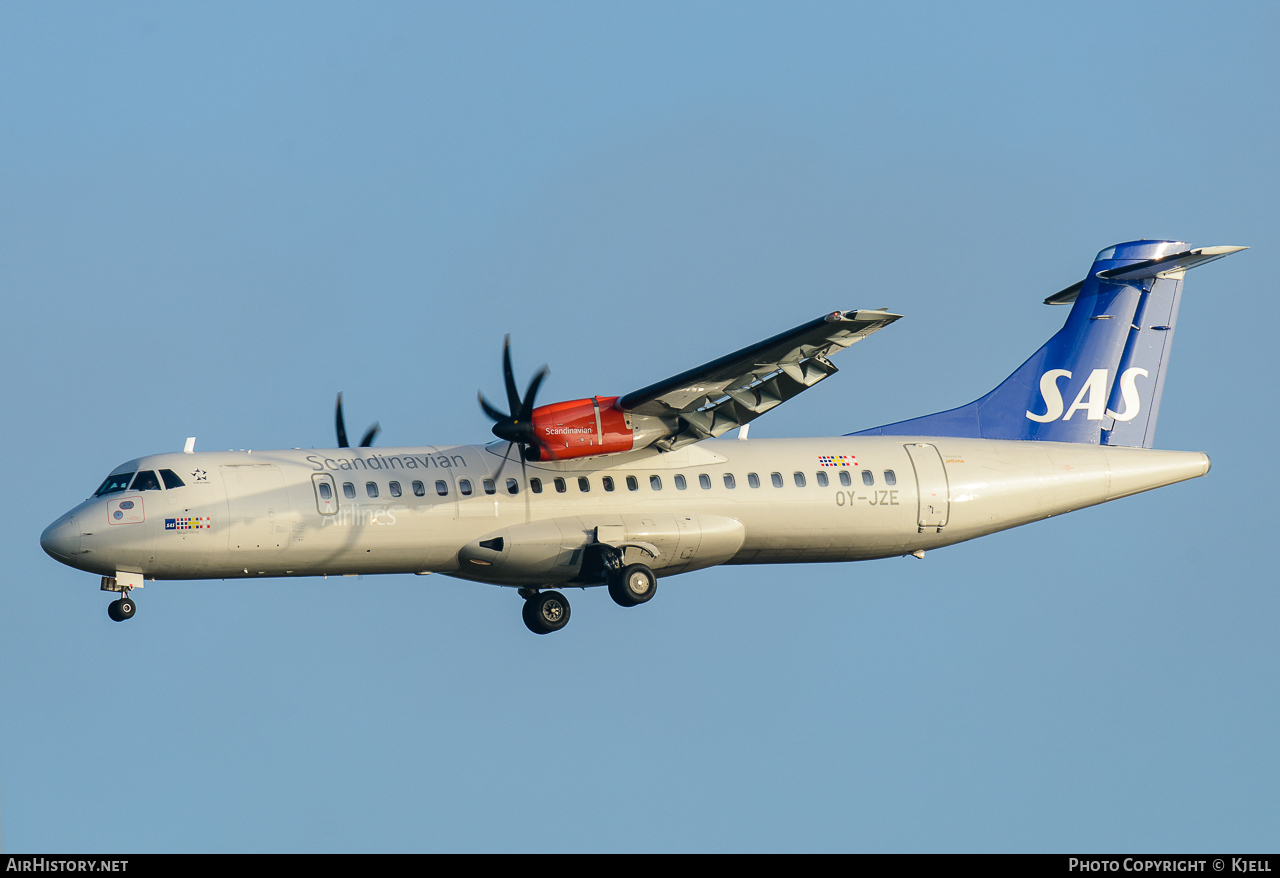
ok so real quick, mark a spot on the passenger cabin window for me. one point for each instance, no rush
(776, 478)
(326, 493)
(655, 482)
(607, 481)
(419, 489)
(729, 481)
(171, 479)
(513, 487)
(371, 488)
(442, 487)
(868, 478)
(584, 484)
(822, 479)
(146, 481)
(535, 485)
(560, 485)
(464, 487)
(845, 478)
(799, 477)
(890, 478)
(114, 484)
(349, 490)
(394, 488)
(489, 487)
(704, 481)
(753, 480)
(680, 482)
(632, 484)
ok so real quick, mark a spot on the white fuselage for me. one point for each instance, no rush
(261, 513)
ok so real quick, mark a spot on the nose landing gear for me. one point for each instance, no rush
(124, 607)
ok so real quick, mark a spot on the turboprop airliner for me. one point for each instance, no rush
(619, 491)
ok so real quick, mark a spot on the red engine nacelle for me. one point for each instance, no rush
(580, 428)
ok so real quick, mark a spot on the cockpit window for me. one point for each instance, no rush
(114, 484)
(171, 479)
(146, 481)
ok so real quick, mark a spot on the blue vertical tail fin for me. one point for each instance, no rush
(1100, 378)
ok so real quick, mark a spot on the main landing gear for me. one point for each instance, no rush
(547, 611)
(122, 609)
(632, 585)
(544, 611)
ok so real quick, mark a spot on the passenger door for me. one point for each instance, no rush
(326, 493)
(932, 490)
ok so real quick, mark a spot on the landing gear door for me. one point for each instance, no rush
(326, 494)
(932, 491)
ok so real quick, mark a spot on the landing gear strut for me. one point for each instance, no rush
(632, 585)
(122, 609)
(544, 611)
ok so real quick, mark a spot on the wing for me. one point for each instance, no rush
(733, 390)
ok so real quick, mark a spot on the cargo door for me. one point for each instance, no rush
(932, 491)
(258, 511)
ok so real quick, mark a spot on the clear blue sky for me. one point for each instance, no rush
(214, 218)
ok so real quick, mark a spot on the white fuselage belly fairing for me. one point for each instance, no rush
(261, 514)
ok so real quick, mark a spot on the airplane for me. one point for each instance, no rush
(619, 491)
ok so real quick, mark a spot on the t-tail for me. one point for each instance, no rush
(1100, 378)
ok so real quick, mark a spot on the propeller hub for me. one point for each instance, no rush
(512, 430)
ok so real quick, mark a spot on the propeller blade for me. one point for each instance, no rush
(509, 379)
(524, 478)
(368, 436)
(526, 408)
(490, 410)
(340, 424)
(497, 477)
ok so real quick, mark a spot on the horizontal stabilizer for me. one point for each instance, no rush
(1149, 268)
(1168, 264)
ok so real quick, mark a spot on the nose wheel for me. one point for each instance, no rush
(545, 611)
(121, 609)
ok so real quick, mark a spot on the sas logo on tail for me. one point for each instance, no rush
(1092, 398)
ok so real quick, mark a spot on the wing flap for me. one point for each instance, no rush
(730, 391)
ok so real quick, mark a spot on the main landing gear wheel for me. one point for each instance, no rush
(632, 585)
(546, 612)
(121, 609)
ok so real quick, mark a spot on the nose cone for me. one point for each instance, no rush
(62, 538)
